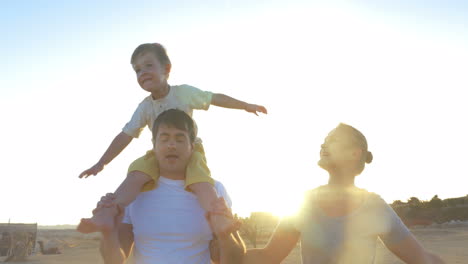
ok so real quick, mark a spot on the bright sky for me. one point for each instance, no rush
(397, 72)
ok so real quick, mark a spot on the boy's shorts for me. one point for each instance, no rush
(197, 169)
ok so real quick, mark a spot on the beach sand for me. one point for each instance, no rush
(448, 241)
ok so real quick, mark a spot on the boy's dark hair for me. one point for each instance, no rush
(155, 48)
(178, 119)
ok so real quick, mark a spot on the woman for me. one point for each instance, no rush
(339, 222)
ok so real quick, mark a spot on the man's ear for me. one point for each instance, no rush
(167, 69)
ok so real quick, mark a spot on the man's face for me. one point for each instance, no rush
(151, 75)
(173, 149)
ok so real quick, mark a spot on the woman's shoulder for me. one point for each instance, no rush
(374, 199)
(309, 197)
(312, 193)
(318, 192)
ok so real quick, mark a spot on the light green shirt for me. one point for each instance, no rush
(182, 97)
(347, 239)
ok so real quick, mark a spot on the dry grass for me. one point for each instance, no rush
(449, 242)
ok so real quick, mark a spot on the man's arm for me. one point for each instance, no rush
(281, 243)
(226, 247)
(225, 101)
(119, 143)
(117, 244)
(411, 251)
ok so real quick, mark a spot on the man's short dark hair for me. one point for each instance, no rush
(178, 119)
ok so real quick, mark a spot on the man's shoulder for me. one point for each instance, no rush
(222, 192)
(219, 186)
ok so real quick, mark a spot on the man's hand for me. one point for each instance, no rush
(220, 207)
(106, 201)
(252, 108)
(227, 246)
(98, 167)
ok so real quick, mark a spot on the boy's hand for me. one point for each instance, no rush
(252, 108)
(92, 171)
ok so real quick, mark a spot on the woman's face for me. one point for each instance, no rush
(338, 149)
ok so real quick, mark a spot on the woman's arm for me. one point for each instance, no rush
(228, 249)
(282, 242)
(411, 251)
(117, 244)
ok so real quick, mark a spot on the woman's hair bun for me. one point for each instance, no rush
(369, 157)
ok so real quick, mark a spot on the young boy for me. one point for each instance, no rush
(152, 67)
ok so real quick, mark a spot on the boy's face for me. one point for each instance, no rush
(173, 149)
(151, 75)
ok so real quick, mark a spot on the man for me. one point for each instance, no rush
(167, 224)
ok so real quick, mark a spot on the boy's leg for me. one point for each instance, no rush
(207, 195)
(199, 181)
(197, 168)
(142, 176)
(198, 178)
(103, 218)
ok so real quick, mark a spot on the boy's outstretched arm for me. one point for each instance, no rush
(225, 101)
(120, 142)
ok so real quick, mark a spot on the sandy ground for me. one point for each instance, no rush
(449, 241)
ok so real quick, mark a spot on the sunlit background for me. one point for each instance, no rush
(396, 70)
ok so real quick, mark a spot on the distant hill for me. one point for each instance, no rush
(416, 212)
(57, 227)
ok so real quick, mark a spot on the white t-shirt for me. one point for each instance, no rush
(182, 97)
(169, 225)
(347, 239)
